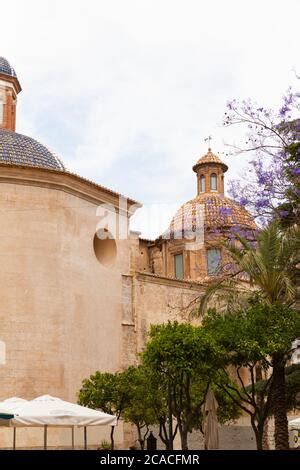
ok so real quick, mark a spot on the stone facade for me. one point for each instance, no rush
(201, 226)
(61, 314)
(74, 302)
(148, 300)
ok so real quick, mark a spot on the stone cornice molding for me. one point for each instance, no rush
(63, 181)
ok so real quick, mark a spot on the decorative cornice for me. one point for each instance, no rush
(62, 181)
(13, 80)
(169, 281)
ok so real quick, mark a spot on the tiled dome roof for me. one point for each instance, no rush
(18, 149)
(209, 158)
(219, 212)
(6, 68)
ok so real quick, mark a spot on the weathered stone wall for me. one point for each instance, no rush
(234, 437)
(161, 256)
(129, 333)
(60, 311)
(156, 260)
(159, 299)
(147, 300)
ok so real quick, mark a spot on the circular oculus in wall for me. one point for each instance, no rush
(105, 247)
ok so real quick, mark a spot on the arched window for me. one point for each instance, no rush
(202, 184)
(213, 182)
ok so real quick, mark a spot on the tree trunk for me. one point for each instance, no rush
(265, 440)
(184, 439)
(183, 433)
(262, 429)
(258, 432)
(112, 442)
(140, 437)
(163, 434)
(279, 403)
(170, 417)
(259, 440)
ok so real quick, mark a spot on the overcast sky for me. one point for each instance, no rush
(126, 91)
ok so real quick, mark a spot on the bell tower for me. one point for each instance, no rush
(9, 89)
(210, 174)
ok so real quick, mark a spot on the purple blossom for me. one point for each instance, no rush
(284, 110)
(265, 178)
(244, 201)
(284, 213)
(262, 203)
(225, 211)
(235, 229)
(288, 101)
(267, 181)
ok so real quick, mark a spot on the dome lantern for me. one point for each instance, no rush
(18, 149)
(9, 89)
(210, 174)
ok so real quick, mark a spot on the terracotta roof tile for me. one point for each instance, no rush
(210, 158)
(219, 212)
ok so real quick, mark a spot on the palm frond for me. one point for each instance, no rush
(270, 267)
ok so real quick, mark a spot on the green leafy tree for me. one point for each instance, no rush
(184, 359)
(136, 395)
(150, 400)
(288, 212)
(144, 405)
(272, 139)
(292, 380)
(292, 377)
(254, 339)
(107, 392)
(270, 265)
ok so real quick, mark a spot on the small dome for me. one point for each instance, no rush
(18, 149)
(220, 212)
(6, 68)
(209, 158)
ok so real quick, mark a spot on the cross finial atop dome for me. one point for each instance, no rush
(209, 139)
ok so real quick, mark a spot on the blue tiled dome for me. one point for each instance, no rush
(6, 68)
(18, 149)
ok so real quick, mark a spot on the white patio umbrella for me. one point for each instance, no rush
(9, 406)
(52, 411)
(12, 403)
(5, 414)
(210, 425)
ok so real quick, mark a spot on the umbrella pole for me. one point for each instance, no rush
(14, 438)
(45, 437)
(72, 437)
(85, 438)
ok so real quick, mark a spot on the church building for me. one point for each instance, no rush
(73, 302)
